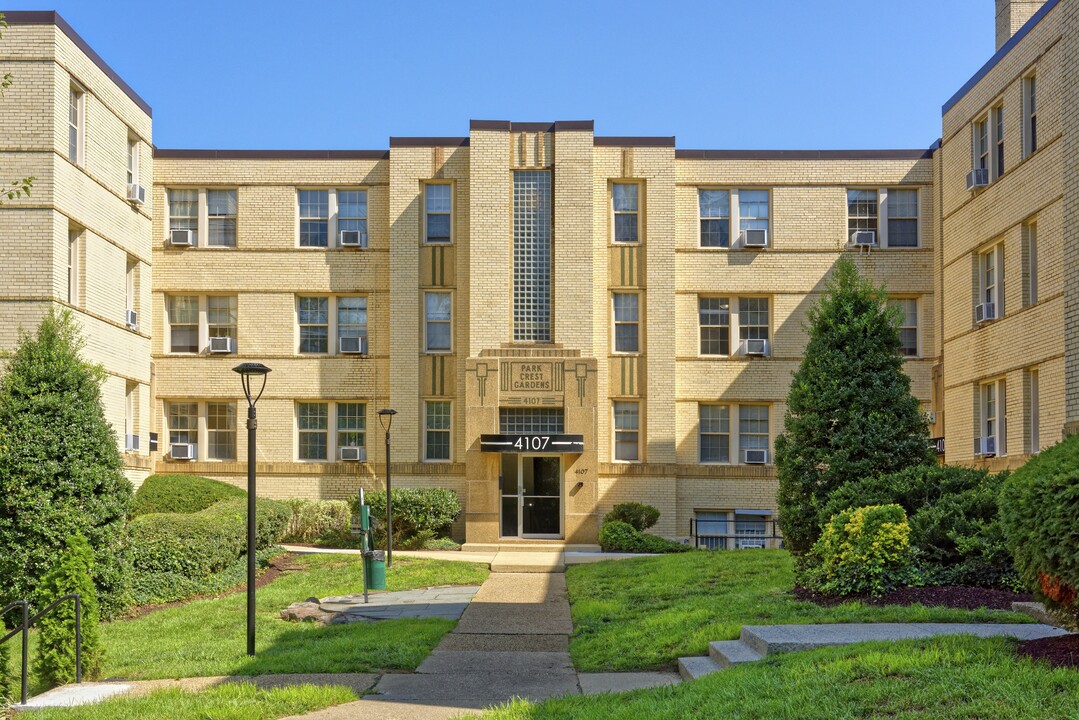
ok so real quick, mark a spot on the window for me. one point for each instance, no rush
(1030, 115)
(862, 209)
(183, 419)
(312, 420)
(1030, 270)
(75, 129)
(626, 216)
(542, 421)
(1034, 412)
(981, 145)
(715, 322)
(221, 218)
(352, 213)
(438, 322)
(715, 209)
(183, 323)
(908, 326)
(351, 425)
(752, 210)
(73, 236)
(752, 427)
(991, 274)
(752, 319)
(132, 161)
(351, 317)
(711, 529)
(184, 212)
(131, 285)
(627, 431)
(131, 432)
(437, 421)
(314, 218)
(626, 323)
(221, 317)
(314, 322)
(902, 211)
(715, 433)
(998, 137)
(532, 256)
(438, 218)
(992, 406)
(221, 430)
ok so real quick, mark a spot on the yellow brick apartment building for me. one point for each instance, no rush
(562, 320)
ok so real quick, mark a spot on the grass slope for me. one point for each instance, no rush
(645, 613)
(234, 701)
(942, 679)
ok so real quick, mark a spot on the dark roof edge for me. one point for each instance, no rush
(999, 55)
(51, 17)
(428, 142)
(804, 154)
(618, 141)
(557, 126)
(273, 154)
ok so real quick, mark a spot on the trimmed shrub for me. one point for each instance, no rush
(955, 527)
(618, 536)
(441, 544)
(419, 514)
(9, 683)
(1040, 512)
(862, 550)
(318, 520)
(271, 518)
(181, 494)
(73, 573)
(153, 588)
(640, 516)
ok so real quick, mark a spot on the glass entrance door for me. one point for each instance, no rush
(531, 496)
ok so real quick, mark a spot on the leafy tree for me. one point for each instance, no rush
(850, 412)
(20, 187)
(55, 664)
(60, 469)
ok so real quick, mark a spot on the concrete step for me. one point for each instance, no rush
(732, 652)
(528, 546)
(528, 562)
(692, 668)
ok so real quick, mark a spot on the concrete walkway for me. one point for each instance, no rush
(500, 560)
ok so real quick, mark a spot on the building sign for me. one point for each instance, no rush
(532, 443)
(937, 444)
(531, 376)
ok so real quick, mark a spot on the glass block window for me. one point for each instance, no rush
(715, 209)
(908, 326)
(437, 419)
(221, 213)
(902, 218)
(715, 323)
(627, 431)
(312, 421)
(314, 321)
(753, 318)
(351, 425)
(626, 323)
(532, 256)
(753, 210)
(351, 317)
(314, 218)
(752, 427)
(184, 211)
(626, 215)
(221, 316)
(183, 423)
(715, 433)
(184, 323)
(861, 211)
(352, 212)
(527, 421)
(221, 430)
(439, 213)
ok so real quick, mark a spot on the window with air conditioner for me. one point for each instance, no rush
(351, 206)
(753, 325)
(352, 430)
(753, 211)
(753, 433)
(135, 191)
(745, 318)
(992, 437)
(183, 425)
(131, 279)
(202, 217)
(221, 323)
(862, 217)
(131, 413)
(747, 210)
(352, 324)
(327, 216)
(438, 213)
(990, 300)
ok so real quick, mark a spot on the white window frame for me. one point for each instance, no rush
(735, 341)
(995, 425)
(169, 322)
(884, 238)
(981, 154)
(729, 217)
(338, 431)
(74, 245)
(427, 212)
(731, 433)
(1030, 115)
(333, 242)
(1030, 269)
(768, 435)
(132, 160)
(234, 431)
(426, 431)
(427, 349)
(1034, 411)
(331, 318)
(77, 106)
(329, 431)
(616, 323)
(190, 432)
(731, 324)
(199, 436)
(996, 140)
(615, 432)
(202, 224)
(735, 231)
(636, 213)
(992, 292)
(131, 402)
(131, 286)
(214, 327)
(203, 326)
(882, 216)
(899, 301)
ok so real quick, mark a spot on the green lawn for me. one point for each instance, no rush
(943, 679)
(234, 701)
(645, 613)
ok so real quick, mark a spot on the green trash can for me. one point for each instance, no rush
(374, 567)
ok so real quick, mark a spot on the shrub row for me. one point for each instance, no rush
(618, 536)
(420, 515)
(181, 494)
(153, 588)
(318, 521)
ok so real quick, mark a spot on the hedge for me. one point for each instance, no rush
(618, 536)
(318, 520)
(419, 514)
(640, 516)
(181, 494)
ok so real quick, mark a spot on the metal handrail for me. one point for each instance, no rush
(25, 641)
(734, 535)
(28, 621)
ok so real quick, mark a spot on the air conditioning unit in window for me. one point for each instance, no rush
(863, 238)
(220, 344)
(755, 238)
(978, 177)
(136, 193)
(182, 238)
(755, 347)
(132, 319)
(985, 312)
(354, 454)
(754, 457)
(352, 345)
(182, 451)
(985, 446)
(131, 443)
(352, 238)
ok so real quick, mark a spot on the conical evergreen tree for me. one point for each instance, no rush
(60, 468)
(72, 573)
(850, 412)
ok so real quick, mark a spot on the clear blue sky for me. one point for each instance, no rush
(758, 74)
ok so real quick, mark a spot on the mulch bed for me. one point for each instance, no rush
(956, 597)
(1060, 651)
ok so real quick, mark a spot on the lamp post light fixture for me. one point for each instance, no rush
(385, 416)
(247, 371)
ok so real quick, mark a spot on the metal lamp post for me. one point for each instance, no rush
(247, 371)
(385, 416)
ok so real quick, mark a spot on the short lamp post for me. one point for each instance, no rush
(385, 416)
(247, 371)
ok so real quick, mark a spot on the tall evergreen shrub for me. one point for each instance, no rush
(55, 661)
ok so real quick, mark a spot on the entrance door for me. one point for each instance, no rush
(531, 496)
